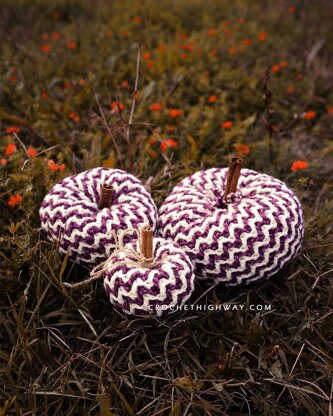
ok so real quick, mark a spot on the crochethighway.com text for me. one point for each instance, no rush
(225, 307)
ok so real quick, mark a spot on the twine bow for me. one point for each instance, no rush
(134, 258)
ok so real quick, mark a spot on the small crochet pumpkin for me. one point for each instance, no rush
(147, 277)
(83, 211)
(233, 236)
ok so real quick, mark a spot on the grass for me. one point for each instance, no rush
(268, 66)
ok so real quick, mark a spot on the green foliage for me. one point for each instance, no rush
(64, 67)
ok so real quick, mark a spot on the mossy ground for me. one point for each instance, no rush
(253, 78)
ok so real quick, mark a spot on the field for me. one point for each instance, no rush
(163, 89)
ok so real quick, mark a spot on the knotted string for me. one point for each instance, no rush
(135, 258)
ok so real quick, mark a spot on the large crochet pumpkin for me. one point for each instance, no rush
(82, 212)
(233, 238)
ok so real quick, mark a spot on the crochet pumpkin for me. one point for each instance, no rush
(146, 277)
(83, 211)
(233, 235)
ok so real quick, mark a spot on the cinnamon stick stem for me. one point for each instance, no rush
(147, 243)
(105, 199)
(235, 166)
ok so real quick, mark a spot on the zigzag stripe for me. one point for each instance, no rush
(141, 291)
(248, 240)
(69, 213)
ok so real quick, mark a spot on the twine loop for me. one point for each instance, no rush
(134, 258)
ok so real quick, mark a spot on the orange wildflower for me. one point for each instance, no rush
(174, 112)
(125, 34)
(290, 89)
(62, 167)
(52, 165)
(330, 111)
(183, 56)
(82, 81)
(291, 9)
(212, 99)
(247, 42)
(13, 129)
(13, 78)
(283, 64)
(171, 128)
(75, 117)
(242, 149)
(71, 44)
(46, 48)
(214, 52)
(3, 162)
(125, 84)
(156, 107)
(10, 149)
(161, 48)
(55, 36)
(108, 33)
(168, 143)
(276, 68)
(44, 95)
(153, 154)
(182, 36)
(232, 50)
(309, 115)
(32, 152)
(224, 23)
(212, 32)
(116, 106)
(150, 64)
(146, 55)
(227, 124)
(262, 36)
(299, 165)
(137, 19)
(14, 200)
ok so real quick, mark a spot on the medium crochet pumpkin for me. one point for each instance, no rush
(82, 213)
(143, 285)
(236, 238)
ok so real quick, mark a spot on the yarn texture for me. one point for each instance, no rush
(249, 237)
(144, 291)
(70, 215)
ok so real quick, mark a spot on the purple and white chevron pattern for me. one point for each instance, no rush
(70, 214)
(157, 291)
(248, 240)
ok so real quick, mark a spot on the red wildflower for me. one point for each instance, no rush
(299, 165)
(174, 112)
(330, 111)
(46, 48)
(108, 33)
(44, 95)
(232, 50)
(75, 117)
(171, 128)
(56, 15)
(52, 165)
(125, 84)
(68, 85)
(161, 48)
(116, 106)
(62, 167)
(156, 107)
(150, 64)
(224, 23)
(283, 64)
(31, 151)
(247, 42)
(82, 81)
(3, 162)
(276, 68)
(10, 149)
(290, 89)
(14, 200)
(13, 78)
(146, 55)
(227, 124)
(212, 32)
(55, 36)
(137, 19)
(212, 99)
(242, 149)
(153, 154)
(214, 52)
(309, 114)
(262, 36)
(13, 129)
(291, 9)
(71, 44)
(168, 143)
